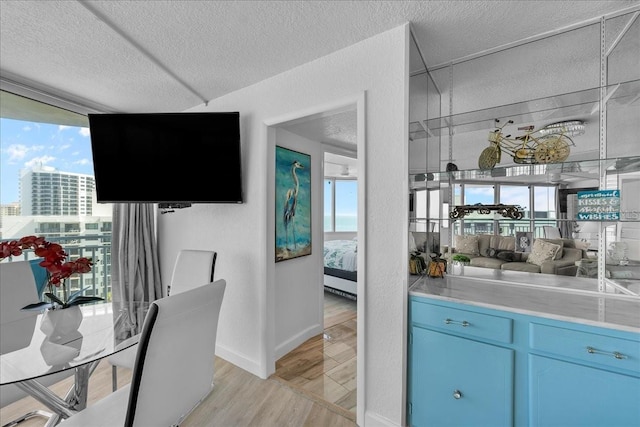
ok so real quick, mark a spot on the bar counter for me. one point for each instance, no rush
(573, 299)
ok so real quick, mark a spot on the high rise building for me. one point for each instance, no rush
(9, 209)
(47, 191)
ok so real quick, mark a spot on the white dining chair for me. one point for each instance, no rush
(17, 289)
(551, 232)
(174, 368)
(193, 267)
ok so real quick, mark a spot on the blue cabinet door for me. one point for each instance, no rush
(459, 382)
(567, 394)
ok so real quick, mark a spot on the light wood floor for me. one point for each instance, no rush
(313, 386)
(324, 367)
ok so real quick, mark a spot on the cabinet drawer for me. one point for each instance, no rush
(618, 353)
(464, 322)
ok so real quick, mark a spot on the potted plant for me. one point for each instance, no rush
(62, 314)
(54, 260)
(461, 259)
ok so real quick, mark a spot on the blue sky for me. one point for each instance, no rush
(25, 144)
(346, 198)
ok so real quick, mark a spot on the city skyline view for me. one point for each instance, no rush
(27, 144)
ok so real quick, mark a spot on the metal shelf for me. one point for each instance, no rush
(550, 109)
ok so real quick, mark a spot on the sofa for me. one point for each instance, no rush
(547, 256)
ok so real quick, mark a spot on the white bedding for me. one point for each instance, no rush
(341, 254)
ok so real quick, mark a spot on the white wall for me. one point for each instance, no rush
(242, 233)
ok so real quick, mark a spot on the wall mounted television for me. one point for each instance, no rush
(167, 158)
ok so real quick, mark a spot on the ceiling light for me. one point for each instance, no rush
(568, 127)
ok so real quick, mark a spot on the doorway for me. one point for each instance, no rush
(338, 130)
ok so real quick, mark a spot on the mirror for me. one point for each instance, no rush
(453, 112)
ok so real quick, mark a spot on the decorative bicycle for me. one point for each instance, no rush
(550, 144)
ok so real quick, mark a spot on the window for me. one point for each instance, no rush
(538, 203)
(340, 205)
(426, 209)
(544, 209)
(47, 185)
(515, 195)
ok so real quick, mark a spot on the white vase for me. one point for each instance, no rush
(55, 354)
(61, 322)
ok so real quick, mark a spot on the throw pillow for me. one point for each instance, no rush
(542, 251)
(493, 252)
(559, 242)
(467, 245)
(509, 256)
(490, 253)
(506, 243)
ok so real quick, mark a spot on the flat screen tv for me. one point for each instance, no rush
(168, 158)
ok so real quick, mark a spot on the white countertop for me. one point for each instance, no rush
(565, 298)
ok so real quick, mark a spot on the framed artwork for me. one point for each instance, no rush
(293, 204)
(524, 240)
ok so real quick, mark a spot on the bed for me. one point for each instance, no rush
(340, 267)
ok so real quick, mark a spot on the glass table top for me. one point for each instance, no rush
(28, 353)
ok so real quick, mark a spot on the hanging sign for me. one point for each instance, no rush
(598, 205)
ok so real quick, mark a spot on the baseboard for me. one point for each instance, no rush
(375, 420)
(241, 361)
(297, 340)
(254, 367)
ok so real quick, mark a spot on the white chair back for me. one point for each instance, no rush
(175, 361)
(551, 232)
(174, 365)
(193, 267)
(17, 289)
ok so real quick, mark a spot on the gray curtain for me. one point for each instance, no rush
(135, 271)
(566, 227)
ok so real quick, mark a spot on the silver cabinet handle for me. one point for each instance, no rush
(457, 394)
(615, 354)
(464, 323)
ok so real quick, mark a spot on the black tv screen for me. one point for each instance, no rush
(167, 157)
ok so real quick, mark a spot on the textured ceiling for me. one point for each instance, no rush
(153, 56)
(149, 56)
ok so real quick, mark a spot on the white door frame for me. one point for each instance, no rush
(269, 352)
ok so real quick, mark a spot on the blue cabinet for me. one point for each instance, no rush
(582, 377)
(460, 382)
(477, 366)
(570, 394)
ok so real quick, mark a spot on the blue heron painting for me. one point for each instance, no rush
(293, 204)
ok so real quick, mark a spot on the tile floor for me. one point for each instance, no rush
(324, 367)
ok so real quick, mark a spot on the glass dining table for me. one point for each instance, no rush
(28, 353)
